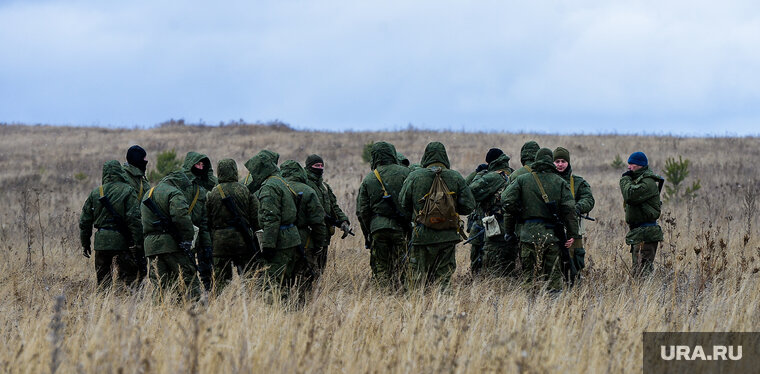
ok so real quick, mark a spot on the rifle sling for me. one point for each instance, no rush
(540, 187)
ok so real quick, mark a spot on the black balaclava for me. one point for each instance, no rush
(136, 157)
(314, 159)
(198, 172)
(493, 154)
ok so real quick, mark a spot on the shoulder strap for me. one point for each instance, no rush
(527, 167)
(286, 184)
(195, 199)
(377, 175)
(572, 185)
(221, 191)
(100, 189)
(150, 193)
(540, 187)
(247, 179)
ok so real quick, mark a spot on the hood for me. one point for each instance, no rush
(435, 152)
(544, 161)
(402, 160)
(113, 172)
(383, 154)
(261, 167)
(293, 171)
(207, 179)
(500, 163)
(227, 171)
(528, 152)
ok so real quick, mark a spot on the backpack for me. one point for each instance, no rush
(439, 210)
(488, 184)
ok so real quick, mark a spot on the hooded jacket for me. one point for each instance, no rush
(277, 211)
(196, 194)
(522, 201)
(641, 197)
(311, 214)
(326, 198)
(172, 195)
(226, 239)
(487, 188)
(124, 200)
(527, 157)
(418, 184)
(136, 179)
(375, 211)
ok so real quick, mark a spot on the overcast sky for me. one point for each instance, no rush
(681, 67)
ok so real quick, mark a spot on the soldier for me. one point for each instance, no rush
(431, 256)
(499, 257)
(277, 218)
(584, 202)
(528, 199)
(641, 196)
(527, 157)
(475, 230)
(233, 219)
(310, 222)
(113, 209)
(383, 223)
(334, 216)
(135, 167)
(197, 167)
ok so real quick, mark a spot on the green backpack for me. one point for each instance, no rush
(439, 210)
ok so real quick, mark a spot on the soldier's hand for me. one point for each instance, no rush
(569, 243)
(628, 173)
(510, 238)
(186, 247)
(346, 229)
(86, 251)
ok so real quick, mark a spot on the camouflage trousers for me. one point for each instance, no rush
(167, 269)
(387, 257)
(431, 263)
(122, 263)
(280, 269)
(223, 266)
(500, 258)
(577, 259)
(476, 251)
(642, 256)
(316, 259)
(541, 263)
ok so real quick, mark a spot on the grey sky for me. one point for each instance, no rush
(685, 67)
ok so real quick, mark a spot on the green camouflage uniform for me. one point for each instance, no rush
(277, 218)
(402, 160)
(498, 256)
(310, 222)
(229, 247)
(475, 229)
(523, 203)
(382, 221)
(136, 179)
(431, 257)
(111, 244)
(329, 203)
(641, 197)
(584, 202)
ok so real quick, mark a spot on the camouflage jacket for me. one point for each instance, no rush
(326, 197)
(375, 211)
(171, 196)
(641, 197)
(311, 214)
(226, 238)
(136, 179)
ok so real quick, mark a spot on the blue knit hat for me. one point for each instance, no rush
(638, 158)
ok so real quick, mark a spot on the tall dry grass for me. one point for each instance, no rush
(52, 319)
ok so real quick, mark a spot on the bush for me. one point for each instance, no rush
(367, 152)
(617, 163)
(166, 163)
(675, 173)
(80, 176)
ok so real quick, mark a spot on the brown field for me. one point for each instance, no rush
(706, 279)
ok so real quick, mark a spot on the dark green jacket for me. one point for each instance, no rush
(136, 179)
(527, 157)
(641, 196)
(522, 202)
(311, 214)
(172, 195)
(124, 201)
(226, 239)
(418, 184)
(486, 189)
(326, 196)
(197, 194)
(375, 211)
(584, 200)
(277, 211)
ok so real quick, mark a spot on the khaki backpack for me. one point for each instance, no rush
(439, 210)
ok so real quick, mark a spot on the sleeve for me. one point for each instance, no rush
(405, 197)
(253, 211)
(134, 221)
(636, 193)
(85, 223)
(567, 211)
(510, 203)
(335, 208)
(204, 236)
(316, 221)
(465, 200)
(269, 215)
(178, 208)
(584, 199)
(364, 209)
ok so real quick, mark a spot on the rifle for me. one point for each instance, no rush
(167, 225)
(329, 220)
(559, 232)
(586, 217)
(117, 219)
(399, 216)
(240, 225)
(479, 234)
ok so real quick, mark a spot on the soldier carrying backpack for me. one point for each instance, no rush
(435, 196)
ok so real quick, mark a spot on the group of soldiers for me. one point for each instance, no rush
(194, 228)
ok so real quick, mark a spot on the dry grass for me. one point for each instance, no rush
(706, 280)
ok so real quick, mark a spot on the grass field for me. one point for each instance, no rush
(51, 318)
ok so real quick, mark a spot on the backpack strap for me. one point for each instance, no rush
(221, 191)
(195, 199)
(540, 187)
(100, 189)
(572, 185)
(286, 184)
(377, 175)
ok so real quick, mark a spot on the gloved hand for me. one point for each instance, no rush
(268, 253)
(346, 229)
(628, 173)
(186, 247)
(510, 238)
(86, 251)
(481, 167)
